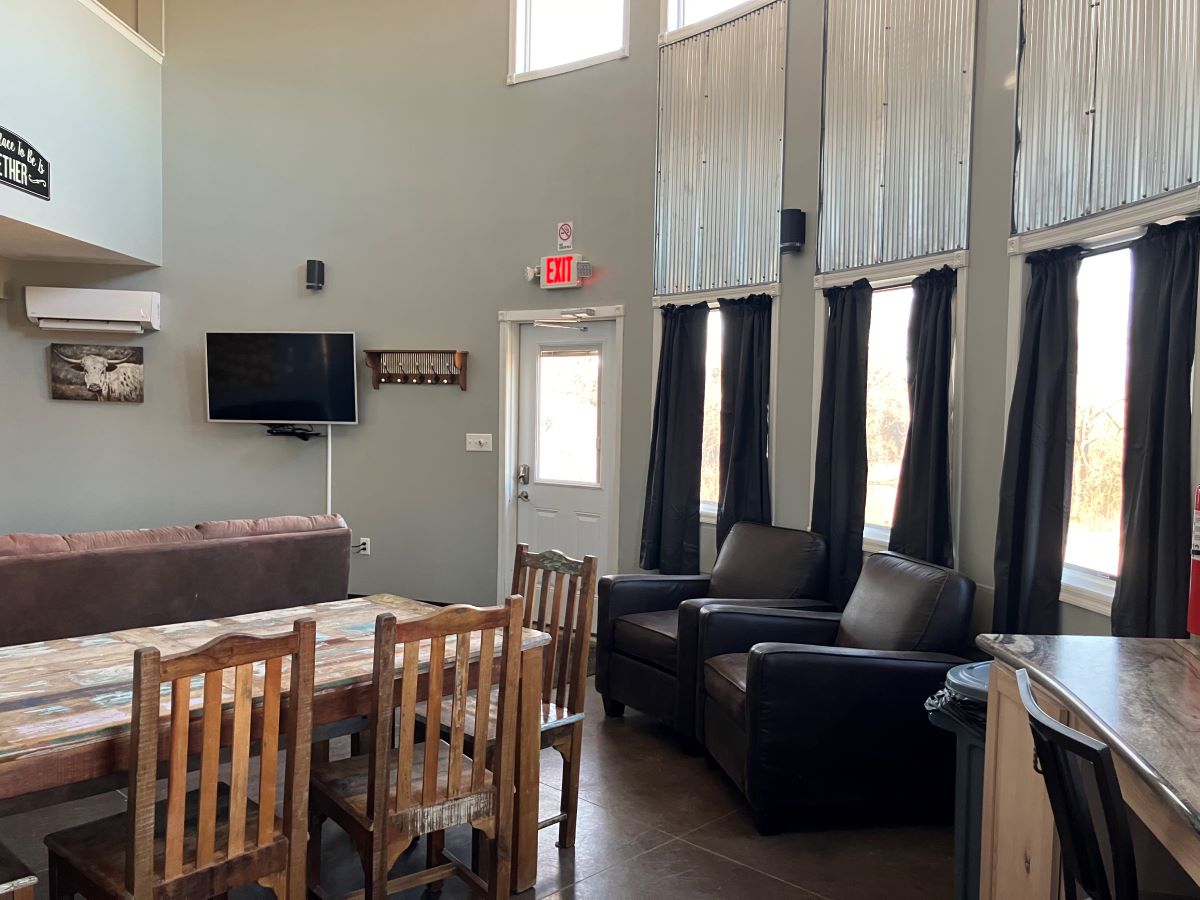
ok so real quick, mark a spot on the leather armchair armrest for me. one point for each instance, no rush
(813, 712)
(689, 669)
(623, 595)
(736, 628)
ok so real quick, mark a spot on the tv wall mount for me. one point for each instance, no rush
(303, 432)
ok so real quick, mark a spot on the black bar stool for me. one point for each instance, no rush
(1088, 808)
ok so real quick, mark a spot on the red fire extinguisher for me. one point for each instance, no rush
(1194, 593)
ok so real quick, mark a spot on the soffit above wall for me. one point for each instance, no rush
(22, 241)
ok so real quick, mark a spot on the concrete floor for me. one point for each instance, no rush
(653, 823)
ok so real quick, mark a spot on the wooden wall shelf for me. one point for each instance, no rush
(428, 367)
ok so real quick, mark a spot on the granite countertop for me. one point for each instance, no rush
(1141, 696)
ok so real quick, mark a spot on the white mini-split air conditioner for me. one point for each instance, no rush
(78, 309)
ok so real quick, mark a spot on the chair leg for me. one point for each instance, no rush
(56, 880)
(612, 708)
(315, 821)
(572, 757)
(499, 869)
(435, 842)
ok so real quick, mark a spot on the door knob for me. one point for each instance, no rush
(524, 495)
(523, 473)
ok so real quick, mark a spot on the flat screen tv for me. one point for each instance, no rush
(282, 377)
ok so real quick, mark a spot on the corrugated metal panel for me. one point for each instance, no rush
(1107, 105)
(1054, 118)
(1147, 100)
(720, 155)
(927, 155)
(851, 152)
(895, 161)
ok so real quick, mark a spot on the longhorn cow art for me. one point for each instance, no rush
(96, 372)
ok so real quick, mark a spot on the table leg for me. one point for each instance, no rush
(528, 775)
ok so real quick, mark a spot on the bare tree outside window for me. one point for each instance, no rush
(1094, 532)
(710, 456)
(887, 400)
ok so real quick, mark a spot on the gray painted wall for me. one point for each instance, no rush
(91, 102)
(388, 145)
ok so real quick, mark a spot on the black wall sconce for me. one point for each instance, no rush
(791, 230)
(314, 278)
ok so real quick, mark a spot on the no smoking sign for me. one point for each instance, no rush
(566, 235)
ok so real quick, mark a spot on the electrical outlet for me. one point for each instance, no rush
(479, 443)
(363, 547)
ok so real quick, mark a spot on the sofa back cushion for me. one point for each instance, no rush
(901, 603)
(232, 528)
(112, 586)
(141, 537)
(31, 544)
(763, 562)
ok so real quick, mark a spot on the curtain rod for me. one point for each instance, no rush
(713, 297)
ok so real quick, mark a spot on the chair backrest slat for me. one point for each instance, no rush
(408, 720)
(483, 705)
(570, 628)
(181, 697)
(239, 767)
(1079, 771)
(530, 595)
(433, 726)
(268, 765)
(458, 711)
(210, 761)
(208, 665)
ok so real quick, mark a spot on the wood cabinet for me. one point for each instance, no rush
(1018, 846)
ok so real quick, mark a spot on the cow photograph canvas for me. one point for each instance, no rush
(96, 372)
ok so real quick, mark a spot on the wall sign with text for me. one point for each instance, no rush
(22, 167)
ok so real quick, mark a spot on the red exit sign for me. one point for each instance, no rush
(561, 271)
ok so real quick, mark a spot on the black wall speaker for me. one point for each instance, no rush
(314, 278)
(791, 230)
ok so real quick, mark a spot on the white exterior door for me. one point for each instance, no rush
(566, 449)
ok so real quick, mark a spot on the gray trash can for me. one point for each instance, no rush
(961, 707)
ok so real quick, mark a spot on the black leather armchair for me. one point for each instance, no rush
(648, 625)
(830, 726)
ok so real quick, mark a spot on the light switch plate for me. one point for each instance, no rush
(479, 443)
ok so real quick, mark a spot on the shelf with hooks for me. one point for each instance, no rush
(438, 367)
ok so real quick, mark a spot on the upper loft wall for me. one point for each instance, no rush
(88, 98)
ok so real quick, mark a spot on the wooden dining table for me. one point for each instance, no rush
(65, 704)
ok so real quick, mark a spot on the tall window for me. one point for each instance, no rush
(887, 401)
(551, 36)
(710, 456)
(682, 13)
(1094, 532)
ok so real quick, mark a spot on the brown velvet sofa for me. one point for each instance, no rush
(55, 586)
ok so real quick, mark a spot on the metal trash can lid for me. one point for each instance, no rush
(970, 680)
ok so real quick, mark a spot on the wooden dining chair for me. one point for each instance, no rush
(16, 881)
(400, 790)
(560, 595)
(203, 843)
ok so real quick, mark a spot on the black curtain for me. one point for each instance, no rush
(840, 487)
(1035, 483)
(745, 392)
(671, 520)
(921, 523)
(1156, 513)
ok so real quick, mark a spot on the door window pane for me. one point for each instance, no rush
(887, 400)
(568, 415)
(1094, 532)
